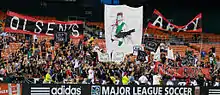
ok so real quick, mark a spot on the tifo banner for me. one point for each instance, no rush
(123, 28)
(181, 72)
(118, 56)
(158, 21)
(28, 25)
(10, 89)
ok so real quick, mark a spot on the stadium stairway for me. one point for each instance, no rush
(206, 47)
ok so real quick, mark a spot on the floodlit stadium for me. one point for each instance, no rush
(108, 47)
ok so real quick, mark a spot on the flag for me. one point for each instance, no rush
(121, 33)
(151, 45)
(136, 49)
(141, 55)
(170, 54)
(157, 55)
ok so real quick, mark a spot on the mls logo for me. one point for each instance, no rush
(95, 90)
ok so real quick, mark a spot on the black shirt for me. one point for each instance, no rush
(1, 45)
(210, 54)
(213, 49)
(60, 77)
(163, 60)
(43, 49)
(35, 45)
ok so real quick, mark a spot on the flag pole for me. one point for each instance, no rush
(201, 42)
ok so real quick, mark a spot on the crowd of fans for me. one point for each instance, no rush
(78, 64)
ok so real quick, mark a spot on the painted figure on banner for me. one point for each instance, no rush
(120, 32)
(123, 28)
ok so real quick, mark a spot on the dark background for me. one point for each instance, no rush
(180, 11)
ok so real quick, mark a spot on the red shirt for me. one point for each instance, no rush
(68, 73)
(188, 81)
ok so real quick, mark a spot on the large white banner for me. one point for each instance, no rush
(123, 28)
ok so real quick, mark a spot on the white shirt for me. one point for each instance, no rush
(96, 48)
(143, 79)
(14, 38)
(137, 62)
(91, 74)
(218, 65)
(87, 54)
(100, 34)
(2, 71)
(137, 82)
(152, 67)
(117, 82)
(84, 82)
(103, 82)
(76, 65)
(3, 34)
(156, 79)
(35, 37)
(146, 57)
(216, 84)
(210, 58)
(196, 60)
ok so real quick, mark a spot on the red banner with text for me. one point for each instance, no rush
(181, 72)
(18, 23)
(158, 21)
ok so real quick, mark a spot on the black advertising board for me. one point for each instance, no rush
(70, 89)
